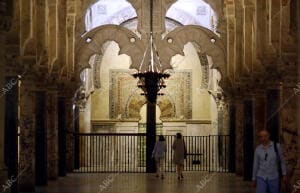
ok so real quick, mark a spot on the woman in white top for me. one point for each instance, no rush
(158, 153)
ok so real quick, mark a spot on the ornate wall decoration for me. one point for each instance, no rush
(134, 106)
(205, 70)
(179, 88)
(96, 71)
(126, 101)
(100, 127)
(135, 103)
(167, 107)
(122, 87)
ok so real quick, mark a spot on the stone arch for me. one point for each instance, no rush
(167, 107)
(83, 7)
(93, 19)
(204, 66)
(136, 101)
(134, 104)
(91, 43)
(96, 66)
(210, 44)
(216, 5)
(181, 11)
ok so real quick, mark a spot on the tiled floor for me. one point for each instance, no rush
(196, 182)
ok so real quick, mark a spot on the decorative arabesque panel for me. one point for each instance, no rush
(125, 98)
(179, 88)
(122, 88)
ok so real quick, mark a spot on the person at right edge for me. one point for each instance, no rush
(268, 165)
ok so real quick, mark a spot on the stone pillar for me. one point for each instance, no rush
(239, 137)
(248, 128)
(232, 134)
(231, 32)
(52, 134)
(225, 129)
(70, 130)
(288, 131)
(297, 170)
(62, 142)
(220, 118)
(27, 137)
(248, 37)
(3, 169)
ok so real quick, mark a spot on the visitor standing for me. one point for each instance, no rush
(179, 154)
(268, 164)
(159, 153)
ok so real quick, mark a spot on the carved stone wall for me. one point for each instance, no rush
(239, 138)
(27, 137)
(70, 129)
(52, 134)
(256, 42)
(126, 101)
(289, 134)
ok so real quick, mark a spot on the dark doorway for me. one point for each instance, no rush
(248, 135)
(232, 130)
(41, 175)
(273, 108)
(11, 129)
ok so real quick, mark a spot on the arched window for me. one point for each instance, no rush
(193, 12)
(108, 12)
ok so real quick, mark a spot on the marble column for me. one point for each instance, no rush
(226, 110)
(297, 171)
(27, 137)
(62, 142)
(3, 169)
(239, 137)
(70, 130)
(288, 130)
(52, 134)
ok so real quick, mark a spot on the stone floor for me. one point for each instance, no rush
(200, 182)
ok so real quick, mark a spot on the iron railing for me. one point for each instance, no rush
(111, 152)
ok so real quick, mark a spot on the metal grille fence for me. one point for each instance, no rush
(96, 152)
